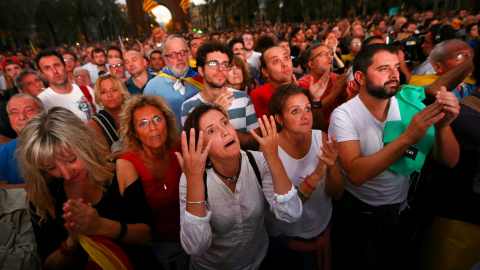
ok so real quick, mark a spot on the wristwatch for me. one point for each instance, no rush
(317, 105)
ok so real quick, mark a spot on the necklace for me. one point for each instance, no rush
(231, 180)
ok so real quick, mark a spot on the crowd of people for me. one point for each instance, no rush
(343, 144)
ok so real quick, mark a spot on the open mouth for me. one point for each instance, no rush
(230, 143)
(154, 137)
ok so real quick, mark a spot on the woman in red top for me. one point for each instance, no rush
(151, 134)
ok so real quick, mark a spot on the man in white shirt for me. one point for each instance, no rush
(367, 217)
(252, 56)
(62, 93)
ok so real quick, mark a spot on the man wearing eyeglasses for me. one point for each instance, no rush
(117, 68)
(444, 57)
(137, 67)
(178, 82)
(321, 80)
(213, 60)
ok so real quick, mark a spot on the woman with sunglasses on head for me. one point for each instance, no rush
(112, 94)
(223, 191)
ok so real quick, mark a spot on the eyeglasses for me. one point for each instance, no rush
(116, 66)
(235, 69)
(357, 44)
(175, 54)
(146, 123)
(215, 65)
(462, 56)
(68, 60)
(322, 54)
(248, 39)
(336, 31)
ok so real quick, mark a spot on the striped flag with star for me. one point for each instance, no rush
(185, 4)
(148, 5)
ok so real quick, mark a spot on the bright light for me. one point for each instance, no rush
(126, 39)
(77, 44)
(151, 25)
(162, 13)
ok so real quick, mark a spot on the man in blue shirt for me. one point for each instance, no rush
(20, 108)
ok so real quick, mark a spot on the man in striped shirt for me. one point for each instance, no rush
(213, 62)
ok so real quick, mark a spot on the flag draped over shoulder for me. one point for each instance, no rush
(185, 4)
(104, 254)
(148, 5)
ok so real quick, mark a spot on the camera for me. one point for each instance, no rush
(410, 44)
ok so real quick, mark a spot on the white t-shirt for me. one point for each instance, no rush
(75, 101)
(353, 122)
(318, 209)
(92, 70)
(253, 62)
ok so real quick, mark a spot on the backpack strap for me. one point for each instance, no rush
(107, 128)
(253, 163)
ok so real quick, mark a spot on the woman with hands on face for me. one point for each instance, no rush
(311, 164)
(222, 201)
(71, 190)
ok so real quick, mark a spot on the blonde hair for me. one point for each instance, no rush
(118, 84)
(127, 129)
(48, 136)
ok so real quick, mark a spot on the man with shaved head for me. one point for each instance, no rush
(137, 66)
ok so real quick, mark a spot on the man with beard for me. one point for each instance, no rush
(376, 134)
(178, 81)
(62, 93)
(137, 66)
(251, 55)
(214, 60)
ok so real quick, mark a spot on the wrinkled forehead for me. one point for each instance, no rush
(175, 45)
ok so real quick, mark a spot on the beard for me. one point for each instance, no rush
(214, 84)
(179, 72)
(382, 92)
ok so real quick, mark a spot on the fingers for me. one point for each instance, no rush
(262, 127)
(191, 147)
(180, 159)
(200, 143)
(184, 143)
(268, 127)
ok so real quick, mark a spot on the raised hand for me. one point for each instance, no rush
(225, 100)
(317, 89)
(192, 160)
(451, 107)
(422, 121)
(330, 152)
(269, 140)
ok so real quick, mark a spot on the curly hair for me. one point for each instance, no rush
(58, 134)
(127, 128)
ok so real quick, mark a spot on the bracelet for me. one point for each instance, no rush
(123, 231)
(308, 184)
(317, 104)
(197, 202)
(303, 193)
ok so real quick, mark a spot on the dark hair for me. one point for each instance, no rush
(263, 43)
(405, 25)
(469, 27)
(263, 63)
(235, 41)
(214, 34)
(209, 47)
(442, 32)
(428, 22)
(46, 53)
(364, 58)
(282, 40)
(369, 40)
(476, 64)
(155, 51)
(115, 48)
(280, 96)
(97, 50)
(295, 30)
(72, 54)
(193, 121)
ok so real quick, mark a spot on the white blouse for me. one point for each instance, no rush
(317, 211)
(233, 234)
